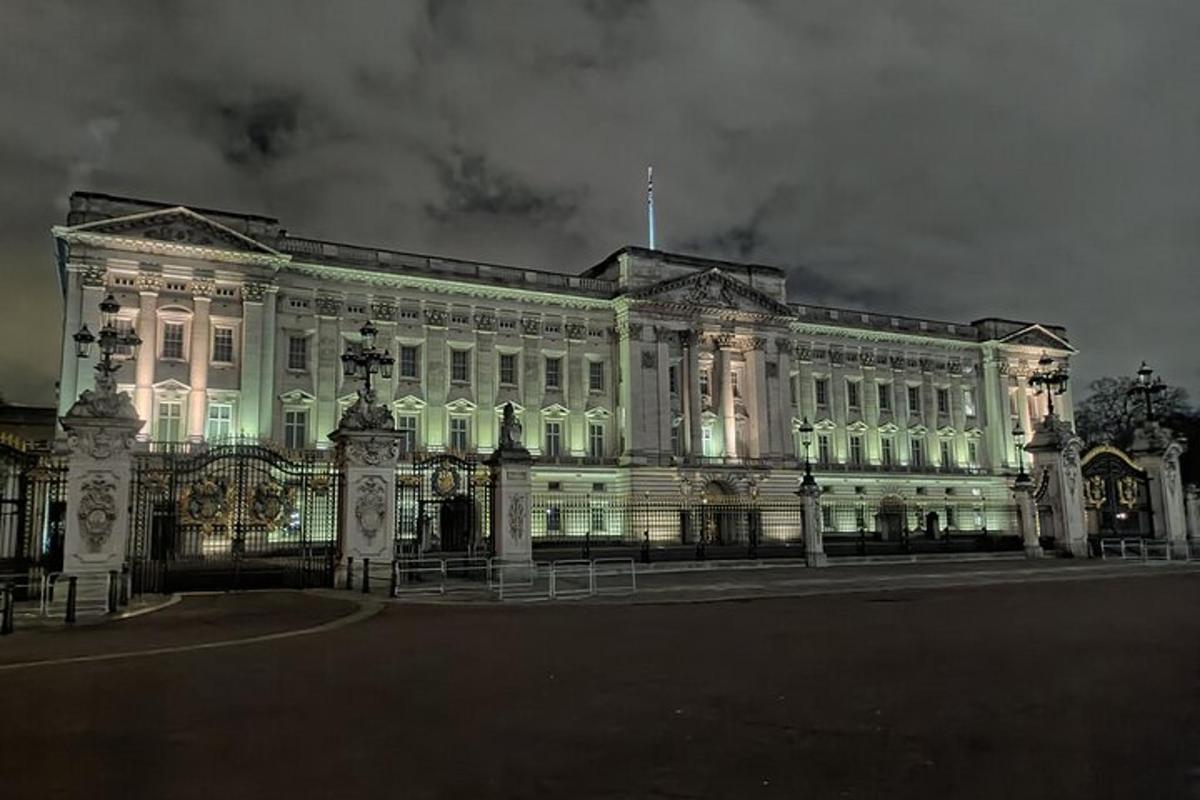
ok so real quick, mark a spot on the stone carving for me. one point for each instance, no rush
(99, 443)
(896, 362)
(510, 429)
(383, 310)
(104, 401)
(836, 356)
(269, 504)
(93, 276)
(724, 341)
(372, 451)
(203, 287)
(955, 366)
(329, 306)
(435, 317)
(149, 282)
(926, 364)
(97, 510)
(208, 502)
(805, 353)
(516, 517)
(867, 358)
(485, 321)
(649, 359)
(575, 330)
(755, 343)
(531, 326)
(783, 345)
(371, 506)
(367, 414)
(710, 290)
(253, 292)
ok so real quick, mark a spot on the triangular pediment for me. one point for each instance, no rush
(175, 226)
(711, 289)
(1037, 336)
(296, 397)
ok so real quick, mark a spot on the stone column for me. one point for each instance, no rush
(723, 374)
(486, 433)
(1192, 508)
(511, 470)
(576, 388)
(1157, 451)
(662, 385)
(1027, 518)
(1055, 452)
(691, 387)
(329, 361)
(367, 457)
(147, 330)
(810, 515)
(759, 438)
(100, 429)
(995, 410)
(198, 360)
(781, 444)
(250, 377)
(269, 361)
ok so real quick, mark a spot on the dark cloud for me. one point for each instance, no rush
(944, 158)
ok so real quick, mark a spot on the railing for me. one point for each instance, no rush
(507, 579)
(1142, 549)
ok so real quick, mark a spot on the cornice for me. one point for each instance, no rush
(861, 334)
(160, 248)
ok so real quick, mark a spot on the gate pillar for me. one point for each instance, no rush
(1193, 513)
(1157, 450)
(367, 460)
(810, 517)
(1027, 517)
(1055, 453)
(100, 428)
(511, 469)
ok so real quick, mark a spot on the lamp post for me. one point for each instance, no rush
(110, 341)
(1019, 442)
(1147, 385)
(806, 432)
(366, 359)
(1050, 378)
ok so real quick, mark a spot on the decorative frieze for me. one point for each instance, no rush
(435, 317)
(94, 276)
(202, 287)
(383, 310)
(328, 306)
(148, 282)
(531, 326)
(485, 322)
(575, 331)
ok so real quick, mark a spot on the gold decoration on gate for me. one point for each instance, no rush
(1094, 491)
(270, 503)
(1127, 491)
(207, 502)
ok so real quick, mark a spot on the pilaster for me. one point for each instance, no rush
(148, 285)
(198, 359)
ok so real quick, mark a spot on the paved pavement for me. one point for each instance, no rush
(1050, 688)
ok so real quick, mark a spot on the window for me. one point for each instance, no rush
(705, 385)
(595, 376)
(852, 400)
(887, 451)
(409, 361)
(220, 421)
(599, 520)
(1012, 403)
(972, 454)
(824, 450)
(917, 447)
(460, 434)
(552, 446)
(124, 327)
(172, 344)
(968, 398)
(944, 453)
(595, 440)
(170, 421)
(885, 397)
(822, 389)
(706, 440)
(553, 373)
(508, 369)
(295, 429)
(914, 400)
(406, 426)
(673, 379)
(792, 389)
(297, 353)
(553, 520)
(222, 345)
(856, 450)
(460, 366)
(943, 401)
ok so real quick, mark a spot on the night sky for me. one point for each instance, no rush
(956, 159)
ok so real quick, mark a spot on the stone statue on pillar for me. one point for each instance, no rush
(511, 474)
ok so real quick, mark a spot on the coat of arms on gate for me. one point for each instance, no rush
(270, 503)
(445, 481)
(207, 502)
(1094, 493)
(1127, 489)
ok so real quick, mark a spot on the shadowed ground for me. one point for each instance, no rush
(1081, 689)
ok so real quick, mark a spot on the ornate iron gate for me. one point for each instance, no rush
(1117, 494)
(235, 516)
(443, 503)
(33, 494)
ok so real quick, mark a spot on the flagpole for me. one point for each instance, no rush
(650, 202)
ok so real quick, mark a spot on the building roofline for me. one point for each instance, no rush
(679, 259)
(158, 204)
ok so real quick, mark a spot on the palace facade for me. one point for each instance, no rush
(649, 372)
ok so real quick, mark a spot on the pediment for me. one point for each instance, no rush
(556, 410)
(175, 226)
(712, 289)
(409, 402)
(296, 397)
(460, 406)
(946, 430)
(1038, 337)
(172, 385)
(917, 429)
(825, 424)
(597, 412)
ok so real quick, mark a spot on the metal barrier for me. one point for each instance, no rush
(572, 579)
(1140, 549)
(85, 594)
(614, 576)
(467, 573)
(417, 576)
(522, 580)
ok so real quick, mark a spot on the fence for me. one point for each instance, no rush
(32, 507)
(1144, 549)
(863, 528)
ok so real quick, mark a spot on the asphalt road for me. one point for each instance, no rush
(1080, 689)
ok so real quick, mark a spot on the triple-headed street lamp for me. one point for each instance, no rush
(110, 340)
(1147, 385)
(1050, 378)
(365, 359)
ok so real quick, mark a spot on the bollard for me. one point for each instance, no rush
(587, 542)
(71, 594)
(862, 540)
(349, 573)
(6, 621)
(366, 576)
(395, 579)
(113, 577)
(646, 547)
(125, 585)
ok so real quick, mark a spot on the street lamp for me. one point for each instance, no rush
(806, 432)
(1051, 379)
(1019, 441)
(365, 360)
(110, 341)
(1147, 385)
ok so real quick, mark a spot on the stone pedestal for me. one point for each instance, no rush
(98, 483)
(1027, 518)
(1192, 510)
(1156, 450)
(367, 507)
(814, 535)
(511, 472)
(1058, 486)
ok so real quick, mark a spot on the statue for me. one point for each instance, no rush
(510, 429)
(367, 414)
